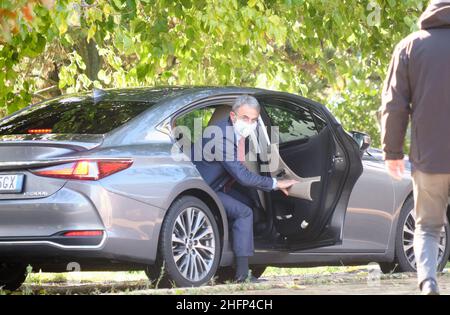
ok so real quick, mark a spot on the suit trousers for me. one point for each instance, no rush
(240, 217)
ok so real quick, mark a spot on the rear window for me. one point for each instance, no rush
(75, 115)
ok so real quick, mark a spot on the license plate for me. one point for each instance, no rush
(11, 183)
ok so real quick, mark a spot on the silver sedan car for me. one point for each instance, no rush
(96, 180)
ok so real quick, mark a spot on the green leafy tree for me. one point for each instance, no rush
(335, 52)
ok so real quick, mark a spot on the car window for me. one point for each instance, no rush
(75, 115)
(294, 122)
(201, 115)
(320, 122)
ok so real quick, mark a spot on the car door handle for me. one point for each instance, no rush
(281, 174)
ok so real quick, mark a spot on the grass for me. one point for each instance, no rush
(40, 278)
(273, 271)
(84, 277)
(136, 282)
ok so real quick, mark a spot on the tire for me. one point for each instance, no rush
(12, 276)
(404, 252)
(184, 260)
(227, 274)
(389, 267)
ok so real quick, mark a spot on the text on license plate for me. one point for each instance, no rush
(11, 183)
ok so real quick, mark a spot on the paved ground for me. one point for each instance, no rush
(358, 282)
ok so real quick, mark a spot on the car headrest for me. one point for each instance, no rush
(221, 112)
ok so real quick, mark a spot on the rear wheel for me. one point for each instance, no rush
(189, 248)
(405, 260)
(12, 276)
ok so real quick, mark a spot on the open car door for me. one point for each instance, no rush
(310, 146)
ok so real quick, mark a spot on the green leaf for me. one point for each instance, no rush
(91, 32)
(103, 76)
(252, 3)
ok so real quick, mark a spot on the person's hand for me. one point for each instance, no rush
(285, 184)
(395, 168)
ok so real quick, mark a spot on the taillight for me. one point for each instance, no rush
(83, 233)
(39, 131)
(84, 169)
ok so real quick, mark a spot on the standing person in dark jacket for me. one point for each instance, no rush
(418, 86)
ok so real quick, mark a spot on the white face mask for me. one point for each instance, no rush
(243, 128)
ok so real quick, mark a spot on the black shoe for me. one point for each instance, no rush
(429, 287)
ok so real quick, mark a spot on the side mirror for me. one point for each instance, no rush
(362, 139)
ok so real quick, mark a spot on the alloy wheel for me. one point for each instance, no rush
(193, 244)
(408, 240)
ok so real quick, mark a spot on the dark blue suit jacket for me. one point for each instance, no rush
(219, 168)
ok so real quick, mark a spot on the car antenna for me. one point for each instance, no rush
(98, 94)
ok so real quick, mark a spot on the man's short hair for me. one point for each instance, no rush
(246, 100)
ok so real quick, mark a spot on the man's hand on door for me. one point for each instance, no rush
(285, 184)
